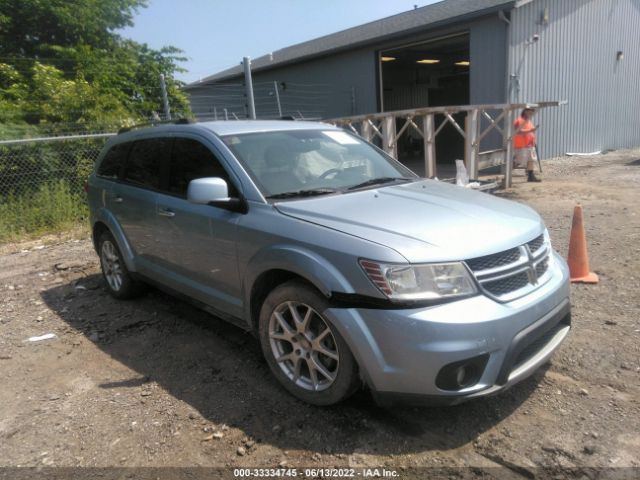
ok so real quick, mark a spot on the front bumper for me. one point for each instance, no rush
(401, 352)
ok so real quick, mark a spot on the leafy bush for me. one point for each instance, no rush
(53, 207)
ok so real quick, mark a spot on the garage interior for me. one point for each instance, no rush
(427, 74)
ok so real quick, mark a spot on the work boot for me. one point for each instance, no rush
(531, 177)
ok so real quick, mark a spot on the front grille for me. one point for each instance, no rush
(542, 267)
(494, 260)
(536, 243)
(507, 284)
(538, 344)
(503, 274)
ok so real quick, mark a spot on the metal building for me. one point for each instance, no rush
(459, 52)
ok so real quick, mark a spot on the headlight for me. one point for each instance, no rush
(420, 282)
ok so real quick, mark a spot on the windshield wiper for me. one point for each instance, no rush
(378, 181)
(304, 193)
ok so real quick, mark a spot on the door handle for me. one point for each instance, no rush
(165, 212)
(118, 199)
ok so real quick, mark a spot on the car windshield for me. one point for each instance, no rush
(302, 163)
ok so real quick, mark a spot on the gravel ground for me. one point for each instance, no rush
(156, 382)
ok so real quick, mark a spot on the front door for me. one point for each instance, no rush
(196, 243)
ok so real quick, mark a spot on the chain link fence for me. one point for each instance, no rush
(42, 183)
(42, 179)
(273, 100)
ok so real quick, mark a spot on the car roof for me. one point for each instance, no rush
(221, 128)
(232, 127)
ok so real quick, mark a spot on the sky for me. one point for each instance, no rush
(216, 34)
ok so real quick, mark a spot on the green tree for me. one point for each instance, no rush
(29, 27)
(63, 67)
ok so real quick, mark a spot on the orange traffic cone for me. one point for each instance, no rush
(578, 259)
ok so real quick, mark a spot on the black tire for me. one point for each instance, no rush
(343, 368)
(127, 287)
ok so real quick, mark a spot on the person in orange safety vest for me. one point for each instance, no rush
(524, 143)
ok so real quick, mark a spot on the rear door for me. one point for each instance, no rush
(134, 197)
(197, 243)
(109, 174)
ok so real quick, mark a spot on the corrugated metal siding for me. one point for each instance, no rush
(575, 60)
(321, 87)
(488, 55)
(336, 74)
(488, 52)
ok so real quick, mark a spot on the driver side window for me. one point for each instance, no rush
(190, 160)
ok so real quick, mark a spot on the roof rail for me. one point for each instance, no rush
(176, 121)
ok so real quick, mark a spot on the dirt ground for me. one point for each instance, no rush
(156, 382)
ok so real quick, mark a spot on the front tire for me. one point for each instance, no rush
(120, 283)
(305, 352)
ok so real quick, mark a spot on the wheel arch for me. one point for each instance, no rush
(105, 221)
(98, 229)
(265, 284)
(280, 264)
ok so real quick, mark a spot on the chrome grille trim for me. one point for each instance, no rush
(504, 282)
(536, 243)
(494, 261)
(542, 267)
(508, 284)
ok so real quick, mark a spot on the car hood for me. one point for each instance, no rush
(424, 221)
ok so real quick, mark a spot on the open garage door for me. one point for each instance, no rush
(427, 74)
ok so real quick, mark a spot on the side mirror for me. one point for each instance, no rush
(215, 192)
(203, 191)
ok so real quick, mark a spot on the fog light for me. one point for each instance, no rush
(462, 374)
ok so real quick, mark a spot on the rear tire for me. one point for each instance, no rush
(120, 283)
(305, 352)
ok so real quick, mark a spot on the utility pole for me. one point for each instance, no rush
(165, 98)
(246, 61)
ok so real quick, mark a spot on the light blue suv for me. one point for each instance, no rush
(349, 268)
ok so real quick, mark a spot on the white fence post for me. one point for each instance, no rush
(389, 143)
(470, 143)
(367, 131)
(165, 98)
(507, 168)
(248, 83)
(275, 89)
(429, 143)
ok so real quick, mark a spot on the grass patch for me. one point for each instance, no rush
(52, 208)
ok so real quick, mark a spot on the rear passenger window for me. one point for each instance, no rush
(191, 160)
(113, 160)
(145, 162)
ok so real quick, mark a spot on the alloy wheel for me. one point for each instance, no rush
(303, 346)
(111, 266)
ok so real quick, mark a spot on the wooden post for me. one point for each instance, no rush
(429, 142)
(470, 143)
(389, 144)
(367, 131)
(507, 168)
